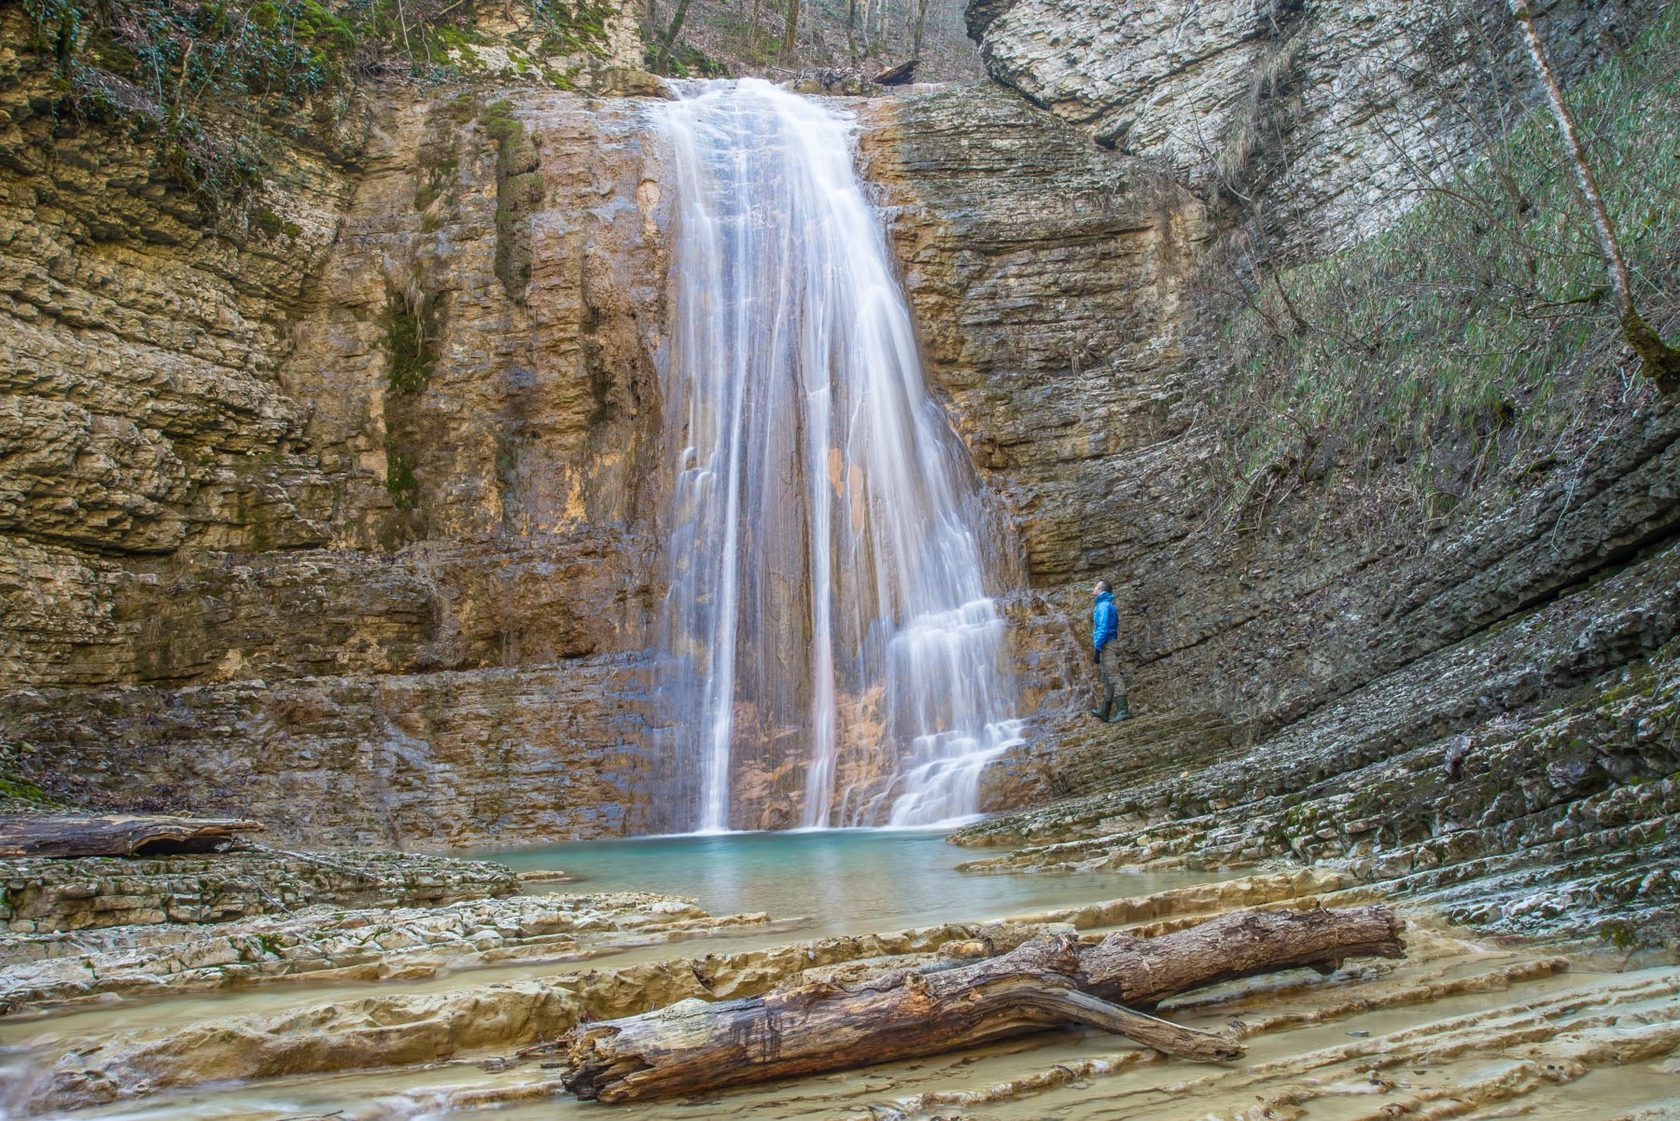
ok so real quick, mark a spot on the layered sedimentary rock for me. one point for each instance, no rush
(44, 895)
(309, 941)
(471, 757)
(1338, 114)
(227, 439)
(1303, 660)
(1457, 1023)
(1048, 278)
(1521, 780)
(441, 635)
(382, 428)
(1056, 316)
(348, 520)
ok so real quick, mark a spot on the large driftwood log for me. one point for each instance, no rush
(1142, 972)
(901, 75)
(694, 1046)
(114, 835)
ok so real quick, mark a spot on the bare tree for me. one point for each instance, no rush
(791, 34)
(671, 33)
(921, 25)
(1660, 362)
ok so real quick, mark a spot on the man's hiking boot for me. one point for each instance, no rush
(1121, 712)
(1101, 714)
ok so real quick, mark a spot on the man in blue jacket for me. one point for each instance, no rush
(1105, 652)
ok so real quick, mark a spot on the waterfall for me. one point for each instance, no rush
(828, 609)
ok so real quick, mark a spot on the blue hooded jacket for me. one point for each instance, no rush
(1105, 621)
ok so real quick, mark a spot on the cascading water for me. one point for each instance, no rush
(828, 608)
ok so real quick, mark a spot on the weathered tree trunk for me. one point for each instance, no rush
(116, 835)
(694, 1046)
(1142, 972)
(1660, 362)
(670, 37)
(790, 32)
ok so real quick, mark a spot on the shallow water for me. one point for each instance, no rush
(826, 883)
(837, 882)
(843, 881)
(852, 881)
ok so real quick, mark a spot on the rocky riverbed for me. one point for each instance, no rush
(451, 1010)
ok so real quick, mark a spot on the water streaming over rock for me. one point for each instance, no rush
(830, 637)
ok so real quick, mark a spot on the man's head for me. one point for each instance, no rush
(1102, 586)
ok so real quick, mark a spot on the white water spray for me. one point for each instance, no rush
(828, 589)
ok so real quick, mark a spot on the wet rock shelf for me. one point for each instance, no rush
(46, 895)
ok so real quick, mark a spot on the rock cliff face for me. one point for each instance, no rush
(349, 519)
(395, 584)
(384, 434)
(1422, 702)
(1337, 115)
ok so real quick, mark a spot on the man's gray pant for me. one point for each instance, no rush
(1108, 670)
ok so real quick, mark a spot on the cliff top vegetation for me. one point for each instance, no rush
(1475, 339)
(216, 84)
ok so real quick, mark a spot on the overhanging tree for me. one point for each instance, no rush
(1659, 361)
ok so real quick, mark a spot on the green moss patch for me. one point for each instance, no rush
(409, 346)
(519, 192)
(400, 481)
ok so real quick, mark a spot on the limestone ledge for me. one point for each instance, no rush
(1455, 1031)
(1455, 1022)
(320, 943)
(438, 760)
(46, 895)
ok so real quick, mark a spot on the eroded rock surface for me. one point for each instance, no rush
(1339, 114)
(339, 508)
(346, 519)
(46, 895)
(1524, 783)
(1456, 1025)
(314, 941)
(458, 652)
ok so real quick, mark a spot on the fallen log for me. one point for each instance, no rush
(1142, 972)
(694, 1046)
(72, 835)
(901, 75)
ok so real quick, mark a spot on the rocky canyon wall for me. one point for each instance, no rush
(348, 518)
(337, 513)
(1469, 706)
(1059, 321)
(1321, 120)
